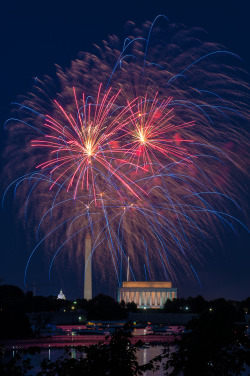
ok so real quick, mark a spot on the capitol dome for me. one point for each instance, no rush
(61, 295)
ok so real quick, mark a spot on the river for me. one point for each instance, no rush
(53, 347)
(144, 355)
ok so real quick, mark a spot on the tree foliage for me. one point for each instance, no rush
(212, 345)
(104, 307)
(17, 366)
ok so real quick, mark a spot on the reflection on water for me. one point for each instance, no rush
(144, 355)
(73, 353)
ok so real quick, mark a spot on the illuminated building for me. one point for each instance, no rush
(147, 294)
(61, 295)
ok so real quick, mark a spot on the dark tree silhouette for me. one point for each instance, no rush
(212, 345)
(103, 307)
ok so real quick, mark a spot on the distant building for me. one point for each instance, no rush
(61, 295)
(147, 294)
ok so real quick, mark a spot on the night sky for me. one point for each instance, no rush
(36, 35)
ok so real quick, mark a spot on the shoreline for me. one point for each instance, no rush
(62, 341)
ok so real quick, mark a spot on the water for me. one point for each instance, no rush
(52, 348)
(144, 355)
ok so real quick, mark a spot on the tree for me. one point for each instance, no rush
(17, 366)
(11, 297)
(213, 345)
(8, 292)
(172, 306)
(14, 325)
(131, 307)
(103, 307)
(197, 304)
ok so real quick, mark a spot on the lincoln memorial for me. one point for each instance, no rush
(147, 294)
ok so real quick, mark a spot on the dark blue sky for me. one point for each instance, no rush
(36, 35)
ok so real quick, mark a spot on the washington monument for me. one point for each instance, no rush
(88, 269)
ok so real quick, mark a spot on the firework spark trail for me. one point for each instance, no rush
(148, 127)
(135, 164)
(79, 146)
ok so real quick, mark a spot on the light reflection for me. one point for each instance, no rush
(73, 353)
(144, 359)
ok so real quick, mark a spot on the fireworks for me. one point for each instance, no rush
(83, 143)
(129, 148)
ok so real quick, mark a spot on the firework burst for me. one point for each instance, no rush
(85, 144)
(148, 126)
(136, 165)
